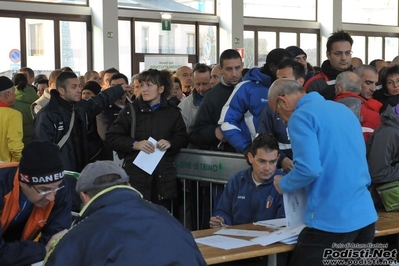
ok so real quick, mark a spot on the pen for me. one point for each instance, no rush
(220, 221)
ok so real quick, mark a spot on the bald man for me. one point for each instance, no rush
(185, 74)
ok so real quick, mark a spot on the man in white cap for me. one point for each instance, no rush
(117, 225)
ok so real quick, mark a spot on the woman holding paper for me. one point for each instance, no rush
(155, 119)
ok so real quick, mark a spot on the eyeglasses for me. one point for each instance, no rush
(340, 53)
(393, 82)
(44, 193)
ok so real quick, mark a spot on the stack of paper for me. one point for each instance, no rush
(288, 228)
(285, 234)
(224, 242)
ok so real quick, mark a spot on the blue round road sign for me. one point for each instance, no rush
(15, 55)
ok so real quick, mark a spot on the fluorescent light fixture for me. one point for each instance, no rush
(166, 16)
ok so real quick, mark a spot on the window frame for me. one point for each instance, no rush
(56, 18)
(277, 30)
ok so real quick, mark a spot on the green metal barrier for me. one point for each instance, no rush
(206, 166)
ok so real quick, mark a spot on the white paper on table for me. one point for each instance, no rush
(148, 162)
(290, 241)
(274, 223)
(278, 235)
(240, 232)
(224, 242)
(294, 206)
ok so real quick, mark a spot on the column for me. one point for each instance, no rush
(329, 14)
(105, 34)
(231, 16)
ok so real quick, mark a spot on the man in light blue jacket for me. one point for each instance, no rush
(330, 162)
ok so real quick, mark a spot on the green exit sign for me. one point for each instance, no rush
(166, 24)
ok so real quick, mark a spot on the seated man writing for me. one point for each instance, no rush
(35, 205)
(249, 195)
(117, 226)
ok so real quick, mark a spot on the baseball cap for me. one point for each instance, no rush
(92, 171)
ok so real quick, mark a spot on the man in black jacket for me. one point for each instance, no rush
(54, 121)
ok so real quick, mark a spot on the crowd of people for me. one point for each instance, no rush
(330, 131)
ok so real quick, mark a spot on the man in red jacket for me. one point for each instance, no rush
(348, 87)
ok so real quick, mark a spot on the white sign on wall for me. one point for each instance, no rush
(170, 62)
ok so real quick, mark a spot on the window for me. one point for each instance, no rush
(187, 6)
(36, 39)
(179, 40)
(382, 12)
(359, 47)
(190, 43)
(308, 43)
(292, 9)
(268, 38)
(73, 2)
(391, 48)
(73, 46)
(9, 50)
(266, 42)
(287, 39)
(144, 40)
(370, 46)
(249, 49)
(208, 44)
(374, 48)
(40, 45)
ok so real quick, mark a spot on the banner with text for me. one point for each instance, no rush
(169, 62)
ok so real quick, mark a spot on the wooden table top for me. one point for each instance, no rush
(387, 224)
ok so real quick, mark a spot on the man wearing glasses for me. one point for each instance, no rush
(36, 205)
(339, 54)
(330, 163)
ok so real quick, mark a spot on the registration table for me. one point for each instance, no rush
(387, 224)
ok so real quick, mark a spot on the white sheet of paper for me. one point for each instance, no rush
(224, 242)
(240, 232)
(294, 206)
(290, 241)
(278, 235)
(274, 223)
(148, 162)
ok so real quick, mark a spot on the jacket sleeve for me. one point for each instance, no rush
(20, 253)
(98, 103)
(118, 137)
(203, 134)
(43, 128)
(232, 118)
(382, 156)
(224, 208)
(15, 135)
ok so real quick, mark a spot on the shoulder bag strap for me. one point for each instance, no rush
(66, 136)
(133, 125)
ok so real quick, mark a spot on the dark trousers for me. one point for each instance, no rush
(312, 243)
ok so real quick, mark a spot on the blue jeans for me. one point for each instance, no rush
(312, 243)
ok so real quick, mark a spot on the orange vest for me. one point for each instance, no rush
(37, 218)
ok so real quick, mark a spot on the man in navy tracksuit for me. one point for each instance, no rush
(249, 195)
